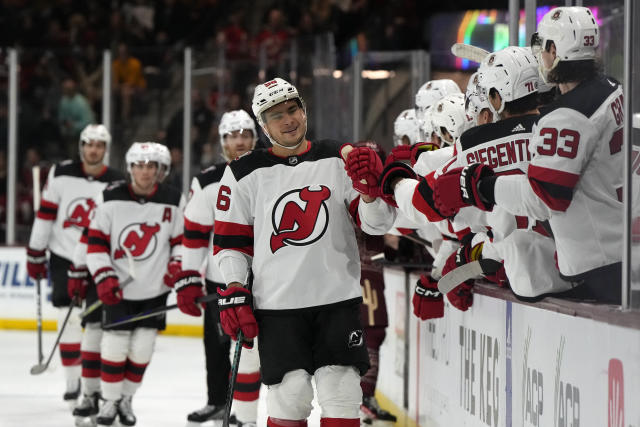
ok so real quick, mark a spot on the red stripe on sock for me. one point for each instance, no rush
(70, 354)
(253, 377)
(112, 372)
(339, 422)
(279, 422)
(244, 396)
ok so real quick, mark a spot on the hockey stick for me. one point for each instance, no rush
(466, 272)
(470, 52)
(417, 239)
(155, 312)
(35, 171)
(132, 275)
(232, 380)
(40, 367)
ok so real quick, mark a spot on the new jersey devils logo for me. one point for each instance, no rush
(78, 212)
(140, 239)
(300, 217)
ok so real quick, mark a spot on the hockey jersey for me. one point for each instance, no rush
(149, 227)
(575, 176)
(67, 201)
(199, 217)
(289, 220)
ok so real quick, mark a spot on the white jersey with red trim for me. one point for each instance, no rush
(150, 227)
(575, 176)
(67, 200)
(291, 220)
(199, 218)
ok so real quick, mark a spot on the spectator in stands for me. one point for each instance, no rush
(201, 120)
(128, 79)
(273, 38)
(74, 111)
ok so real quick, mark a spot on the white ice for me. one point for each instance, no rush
(173, 385)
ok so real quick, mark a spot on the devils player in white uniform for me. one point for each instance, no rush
(80, 282)
(237, 136)
(574, 178)
(144, 217)
(286, 213)
(67, 200)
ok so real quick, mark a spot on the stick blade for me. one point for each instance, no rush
(38, 369)
(459, 275)
(470, 52)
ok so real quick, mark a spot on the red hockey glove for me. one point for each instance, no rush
(398, 154)
(108, 286)
(77, 281)
(188, 285)
(419, 148)
(236, 312)
(363, 165)
(173, 268)
(461, 297)
(36, 263)
(459, 188)
(427, 299)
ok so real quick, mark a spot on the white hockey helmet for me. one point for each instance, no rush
(474, 100)
(271, 93)
(573, 30)
(434, 90)
(95, 132)
(406, 124)
(512, 72)
(236, 120)
(425, 125)
(164, 158)
(449, 114)
(144, 152)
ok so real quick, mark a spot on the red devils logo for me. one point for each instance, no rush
(140, 239)
(300, 217)
(78, 212)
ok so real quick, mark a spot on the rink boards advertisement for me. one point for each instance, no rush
(502, 363)
(18, 296)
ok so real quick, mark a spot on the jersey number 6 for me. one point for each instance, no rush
(564, 142)
(223, 201)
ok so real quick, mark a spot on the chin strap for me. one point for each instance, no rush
(273, 141)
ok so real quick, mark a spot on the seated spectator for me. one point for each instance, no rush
(74, 111)
(128, 80)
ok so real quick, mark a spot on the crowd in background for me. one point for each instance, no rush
(60, 47)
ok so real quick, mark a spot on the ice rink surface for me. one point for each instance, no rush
(173, 385)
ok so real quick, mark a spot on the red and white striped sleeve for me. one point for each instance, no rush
(99, 242)
(233, 236)
(198, 224)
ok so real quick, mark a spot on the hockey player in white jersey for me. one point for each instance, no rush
(508, 80)
(237, 136)
(574, 179)
(286, 213)
(80, 282)
(145, 217)
(67, 200)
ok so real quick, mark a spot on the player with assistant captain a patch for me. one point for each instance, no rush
(145, 218)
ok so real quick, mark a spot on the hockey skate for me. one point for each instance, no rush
(371, 411)
(209, 412)
(108, 413)
(125, 411)
(72, 392)
(87, 411)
